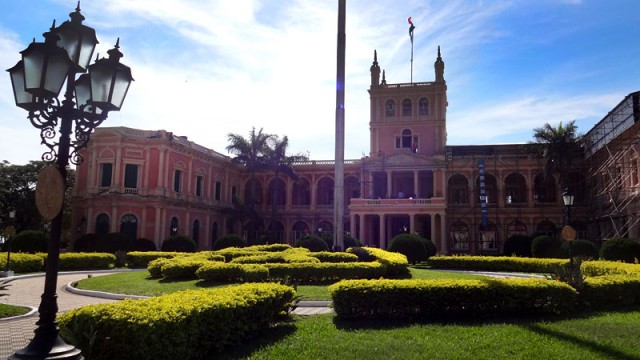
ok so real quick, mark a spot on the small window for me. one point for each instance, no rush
(390, 108)
(106, 174)
(218, 190)
(406, 139)
(131, 176)
(177, 181)
(199, 181)
(423, 106)
(406, 107)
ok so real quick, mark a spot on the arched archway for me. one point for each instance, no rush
(129, 226)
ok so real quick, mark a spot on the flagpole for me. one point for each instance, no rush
(412, 61)
(411, 28)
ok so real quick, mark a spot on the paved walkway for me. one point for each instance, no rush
(15, 333)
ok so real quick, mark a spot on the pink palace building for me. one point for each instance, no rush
(467, 199)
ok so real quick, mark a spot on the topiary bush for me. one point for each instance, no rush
(142, 244)
(179, 243)
(582, 248)
(518, 245)
(413, 246)
(620, 249)
(350, 241)
(112, 243)
(313, 243)
(227, 241)
(545, 246)
(29, 241)
(86, 243)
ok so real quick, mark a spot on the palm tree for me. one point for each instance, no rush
(558, 146)
(278, 161)
(250, 153)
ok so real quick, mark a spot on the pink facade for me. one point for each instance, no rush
(153, 184)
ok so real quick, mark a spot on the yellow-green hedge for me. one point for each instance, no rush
(141, 259)
(601, 267)
(434, 299)
(230, 272)
(86, 261)
(396, 264)
(322, 273)
(22, 262)
(184, 325)
(334, 257)
(497, 263)
(610, 291)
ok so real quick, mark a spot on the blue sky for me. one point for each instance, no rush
(204, 69)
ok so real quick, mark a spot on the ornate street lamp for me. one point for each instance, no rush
(569, 233)
(567, 199)
(37, 80)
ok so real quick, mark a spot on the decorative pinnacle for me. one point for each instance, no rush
(375, 57)
(75, 16)
(115, 54)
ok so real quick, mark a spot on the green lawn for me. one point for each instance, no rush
(600, 336)
(139, 283)
(10, 310)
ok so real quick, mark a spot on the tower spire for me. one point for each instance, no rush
(375, 70)
(439, 67)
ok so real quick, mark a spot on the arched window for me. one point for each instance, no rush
(102, 224)
(195, 233)
(459, 232)
(177, 181)
(129, 226)
(390, 108)
(423, 106)
(173, 228)
(406, 107)
(214, 233)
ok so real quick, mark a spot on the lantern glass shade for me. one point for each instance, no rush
(83, 95)
(79, 41)
(46, 67)
(567, 198)
(110, 82)
(23, 99)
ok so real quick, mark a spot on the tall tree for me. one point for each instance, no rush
(558, 146)
(250, 153)
(279, 162)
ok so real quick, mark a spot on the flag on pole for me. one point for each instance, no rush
(411, 28)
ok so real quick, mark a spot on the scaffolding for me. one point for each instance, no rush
(612, 154)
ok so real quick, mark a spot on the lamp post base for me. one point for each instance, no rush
(47, 347)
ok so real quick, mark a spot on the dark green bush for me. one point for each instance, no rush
(620, 249)
(179, 243)
(413, 246)
(350, 241)
(142, 244)
(86, 243)
(518, 245)
(29, 241)
(112, 243)
(313, 243)
(582, 248)
(545, 246)
(228, 241)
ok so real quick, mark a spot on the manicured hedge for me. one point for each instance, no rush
(184, 325)
(22, 263)
(435, 299)
(599, 268)
(230, 273)
(323, 273)
(334, 257)
(610, 291)
(86, 261)
(497, 263)
(396, 265)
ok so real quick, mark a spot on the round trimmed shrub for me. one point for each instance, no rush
(112, 243)
(227, 241)
(583, 248)
(313, 243)
(179, 243)
(545, 246)
(620, 249)
(413, 246)
(86, 243)
(29, 241)
(142, 244)
(350, 241)
(518, 245)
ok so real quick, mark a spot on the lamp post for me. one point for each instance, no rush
(37, 80)
(568, 233)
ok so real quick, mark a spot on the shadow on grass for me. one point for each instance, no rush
(260, 340)
(588, 344)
